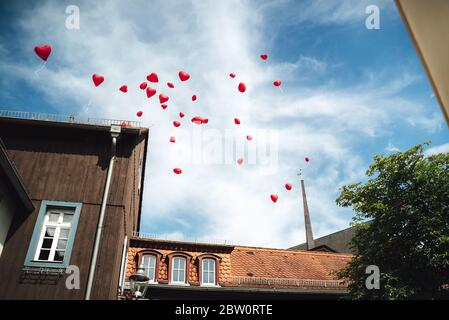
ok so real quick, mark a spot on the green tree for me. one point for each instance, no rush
(402, 226)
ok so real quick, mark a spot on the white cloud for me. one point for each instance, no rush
(443, 148)
(210, 39)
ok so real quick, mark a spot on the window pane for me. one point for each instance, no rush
(64, 233)
(152, 262)
(149, 263)
(50, 232)
(179, 267)
(182, 276)
(59, 255)
(182, 263)
(53, 217)
(151, 274)
(67, 218)
(46, 244)
(62, 244)
(209, 271)
(176, 263)
(43, 255)
(175, 276)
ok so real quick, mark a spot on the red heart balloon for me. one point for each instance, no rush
(43, 51)
(150, 92)
(124, 88)
(139, 113)
(194, 97)
(240, 161)
(249, 138)
(143, 85)
(164, 106)
(236, 121)
(181, 115)
(274, 198)
(277, 83)
(264, 56)
(172, 139)
(163, 98)
(307, 159)
(288, 186)
(152, 77)
(183, 76)
(176, 123)
(97, 79)
(242, 87)
(199, 120)
(232, 75)
(170, 85)
(177, 170)
(123, 124)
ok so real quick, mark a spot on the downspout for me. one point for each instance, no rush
(115, 132)
(123, 266)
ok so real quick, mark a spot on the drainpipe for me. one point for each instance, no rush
(115, 132)
(123, 266)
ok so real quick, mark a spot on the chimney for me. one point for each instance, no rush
(307, 223)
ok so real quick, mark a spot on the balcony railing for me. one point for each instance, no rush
(67, 119)
(167, 237)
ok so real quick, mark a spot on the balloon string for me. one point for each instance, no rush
(36, 72)
(282, 91)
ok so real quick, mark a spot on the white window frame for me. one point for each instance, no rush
(58, 225)
(173, 271)
(209, 284)
(147, 268)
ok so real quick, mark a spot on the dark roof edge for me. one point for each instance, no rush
(142, 182)
(85, 126)
(14, 178)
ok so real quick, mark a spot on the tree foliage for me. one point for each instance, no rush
(402, 226)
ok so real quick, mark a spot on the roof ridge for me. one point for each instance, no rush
(294, 252)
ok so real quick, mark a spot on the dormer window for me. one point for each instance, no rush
(178, 270)
(150, 261)
(208, 269)
(208, 272)
(149, 264)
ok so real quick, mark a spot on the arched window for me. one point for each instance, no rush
(209, 268)
(208, 272)
(149, 264)
(150, 261)
(178, 270)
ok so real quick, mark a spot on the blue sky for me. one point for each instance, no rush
(348, 93)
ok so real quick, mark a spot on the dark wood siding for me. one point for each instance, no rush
(70, 164)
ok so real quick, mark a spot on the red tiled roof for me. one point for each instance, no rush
(276, 263)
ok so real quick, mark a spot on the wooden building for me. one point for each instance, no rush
(84, 182)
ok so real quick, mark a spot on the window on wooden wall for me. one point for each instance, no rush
(53, 235)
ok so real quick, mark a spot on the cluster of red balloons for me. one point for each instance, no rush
(44, 52)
